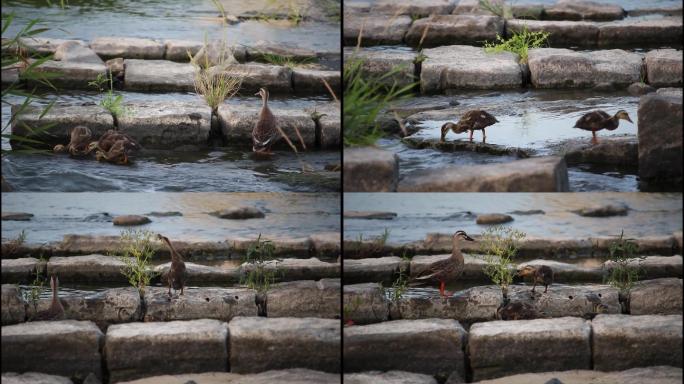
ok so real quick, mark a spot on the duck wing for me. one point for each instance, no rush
(436, 268)
(592, 121)
(264, 130)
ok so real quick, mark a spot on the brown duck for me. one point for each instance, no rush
(470, 121)
(78, 146)
(109, 138)
(447, 269)
(598, 120)
(177, 273)
(56, 310)
(541, 274)
(265, 132)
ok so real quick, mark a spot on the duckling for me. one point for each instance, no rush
(56, 310)
(516, 311)
(598, 120)
(265, 132)
(470, 121)
(596, 305)
(541, 274)
(78, 146)
(110, 137)
(118, 153)
(447, 269)
(177, 273)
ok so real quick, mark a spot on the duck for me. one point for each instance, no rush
(265, 132)
(516, 310)
(78, 146)
(117, 154)
(177, 273)
(541, 274)
(598, 120)
(596, 305)
(56, 310)
(470, 121)
(110, 137)
(447, 269)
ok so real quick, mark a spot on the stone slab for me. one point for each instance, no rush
(127, 47)
(158, 76)
(199, 303)
(664, 67)
(13, 305)
(438, 30)
(370, 170)
(377, 269)
(305, 298)
(656, 297)
(376, 30)
(364, 303)
(87, 269)
(660, 137)
(21, 270)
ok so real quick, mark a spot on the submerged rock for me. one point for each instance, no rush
(625, 341)
(127, 220)
(239, 213)
(135, 350)
(16, 216)
(493, 218)
(500, 348)
(370, 215)
(606, 210)
(638, 89)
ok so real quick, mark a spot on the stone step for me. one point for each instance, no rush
(305, 299)
(374, 29)
(417, 8)
(660, 138)
(199, 303)
(540, 174)
(127, 47)
(654, 375)
(137, 350)
(621, 342)
(499, 348)
(13, 305)
(21, 270)
(465, 145)
(378, 63)
(656, 297)
(390, 377)
(467, 306)
(364, 303)
(437, 30)
(67, 348)
(380, 269)
(370, 170)
(260, 344)
(33, 378)
(295, 375)
(431, 346)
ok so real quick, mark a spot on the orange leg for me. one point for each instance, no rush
(594, 140)
(441, 288)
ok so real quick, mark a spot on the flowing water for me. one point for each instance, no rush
(289, 215)
(421, 213)
(224, 169)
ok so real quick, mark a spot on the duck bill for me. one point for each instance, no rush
(628, 119)
(468, 238)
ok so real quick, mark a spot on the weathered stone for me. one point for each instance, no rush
(641, 32)
(624, 341)
(237, 123)
(664, 10)
(111, 306)
(621, 150)
(369, 215)
(33, 378)
(261, 48)
(568, 273)
(328, 125)
(430, 346)
(638, 89)
(657, 296)
(439, 30)
(76, 52)
(467, 306)
(365, 303)
(566, 300)
(165, 125)
(295, 375)
(21, 270)
(664, 67)
(562, 33)
(652, 375)
(377, 30)
(131, 220)
(66, 348)
(376, 64)
(305, 298)
(128, 48)
(138, 350)
(260, 344)
(275, 78)
(87, 269)
(43, 45)
(13, 306)
(325, 244)
(391, 377)
(16, 216)
(116, 67)
(158, 75)
(69, 74)
(564, 68)
(370, 170)
(672, 92)
(493, 218)
(64, 117)
(311, 81)
(379, 269)
(541, 174)
(653, 267)
(177, 50)
(660, 138)
(583, 10)
(198, 274)
(606, 210)
(239, 213)
(461, 66)
(199, 303)
(498, 348)
(459, 145)
(419, 8)
(284, 246)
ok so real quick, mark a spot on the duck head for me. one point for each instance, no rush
(458, 235)
(622, 114)
(445, 129)
(263, 92)
(527, 270)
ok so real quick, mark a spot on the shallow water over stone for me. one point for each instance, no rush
(288, 215)
(421, 213)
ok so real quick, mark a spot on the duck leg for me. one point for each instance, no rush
(484, 135)
(471, 136)
(546, 288)
(594, 140)
(441, 289)
(534, 285)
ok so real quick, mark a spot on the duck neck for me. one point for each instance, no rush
(175, 256)
(456, 250)
(264, 99)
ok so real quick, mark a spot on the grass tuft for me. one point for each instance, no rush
(623, 274)
(259, 255)
(286, 61)
(212, 82)
(500, 245)
(110, 101)
(519, 43)
(136, 252)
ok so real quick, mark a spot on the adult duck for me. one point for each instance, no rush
(448, 269)
(598, 120)
(265, 132)
(177, 273)
(470, 121)
(56, 310)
